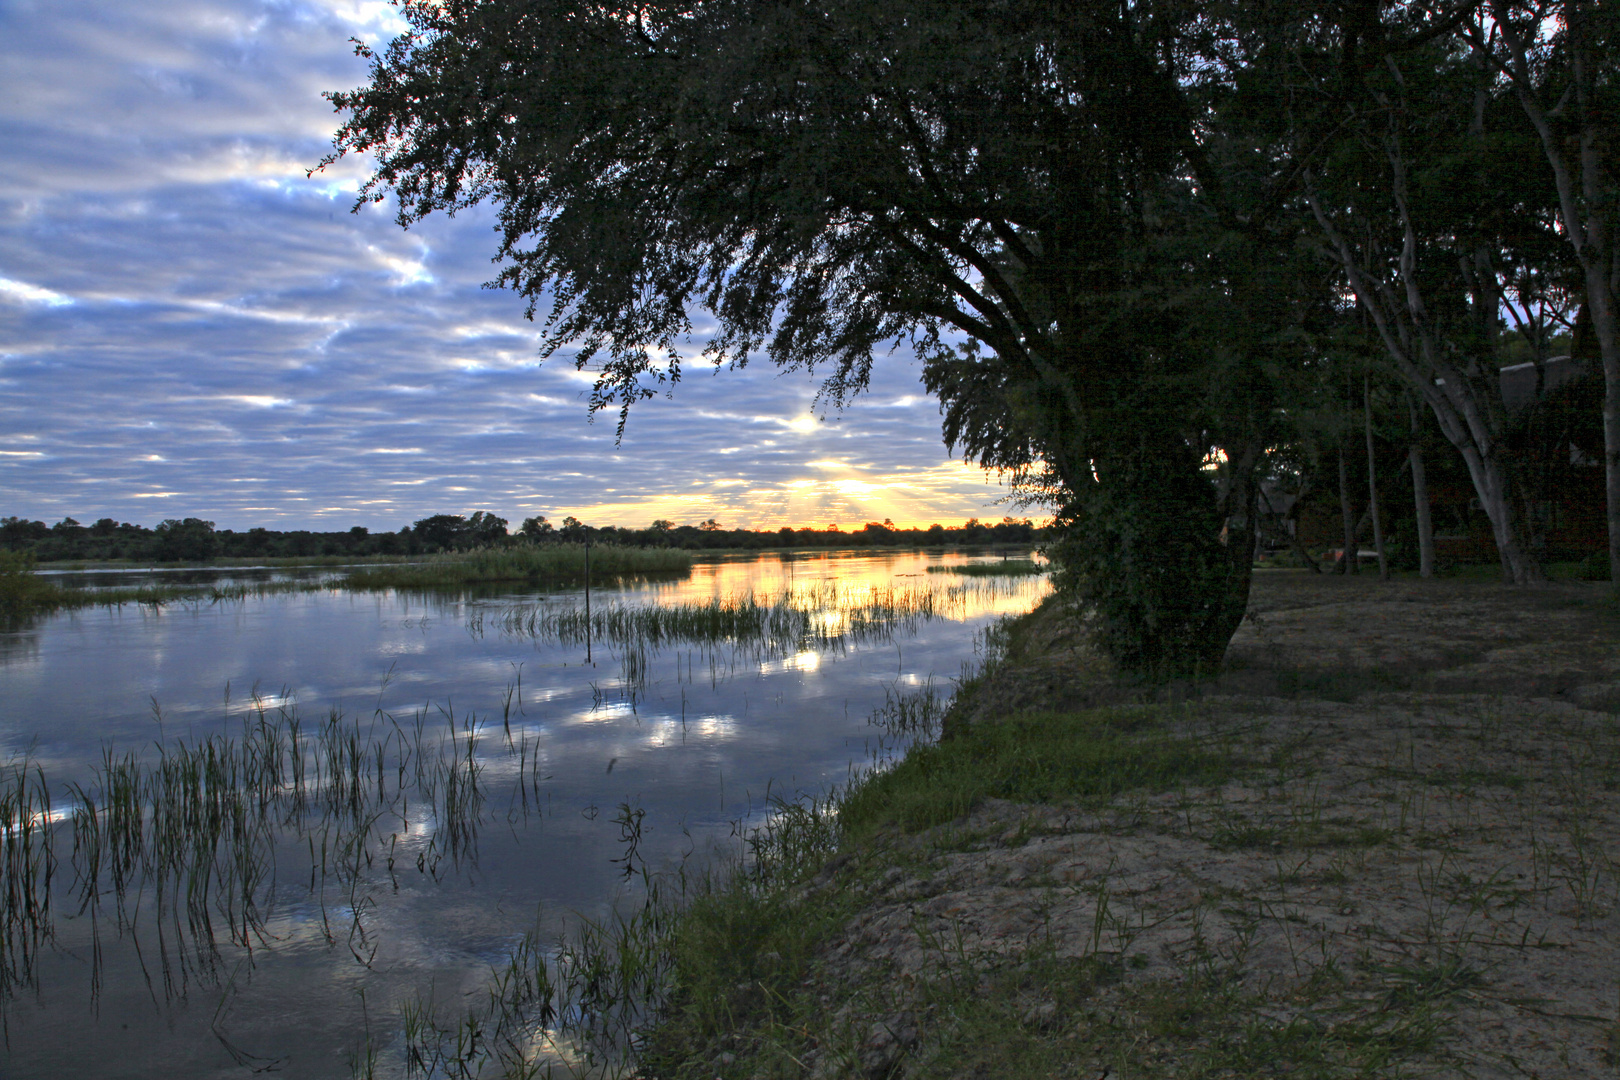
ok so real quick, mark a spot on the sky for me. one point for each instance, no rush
(190, 326)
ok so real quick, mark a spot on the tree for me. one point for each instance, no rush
(188, 540)
(1022, 192)
(1560, 60)
(440, 531)
(484, 529)
(1425, 203)
(1435, 149)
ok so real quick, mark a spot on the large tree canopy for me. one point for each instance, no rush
(1089, 219)
(829, 178)
(824, 178)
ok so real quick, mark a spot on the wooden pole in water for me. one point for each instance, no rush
(588, 600)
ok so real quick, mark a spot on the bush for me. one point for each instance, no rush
(1595, 567)
(22, 592)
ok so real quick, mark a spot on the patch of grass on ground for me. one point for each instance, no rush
(740, 954)
(1057, 1016)
(1037, 757)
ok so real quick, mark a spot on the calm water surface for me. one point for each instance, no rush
(693, 732)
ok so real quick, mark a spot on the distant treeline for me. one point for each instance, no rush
(194, 540)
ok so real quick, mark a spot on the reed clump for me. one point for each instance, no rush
(22, 592)
(1004, 568)
(539, 565)
(181, 846)
(827, 616)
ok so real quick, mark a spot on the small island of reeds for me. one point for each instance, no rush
(543, 565)
(1004, 568)
(24, 593)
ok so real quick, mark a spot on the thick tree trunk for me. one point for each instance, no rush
(1611, 440)
(1350, 564)
(1420, 496)
(1143, 546)
(1519, 567)
(1239, 504)
(1372, 481)
(1602, 304)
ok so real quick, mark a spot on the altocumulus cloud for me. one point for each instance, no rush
(190, 326)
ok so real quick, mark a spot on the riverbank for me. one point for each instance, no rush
(1384, 843)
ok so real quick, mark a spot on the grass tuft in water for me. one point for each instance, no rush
(829, 616)
(178, 850)
(27, 867)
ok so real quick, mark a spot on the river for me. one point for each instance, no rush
(468, 769)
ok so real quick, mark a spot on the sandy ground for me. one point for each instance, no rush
(1428, 825)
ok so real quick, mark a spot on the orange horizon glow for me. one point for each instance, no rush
(849, 495)
(847, 526)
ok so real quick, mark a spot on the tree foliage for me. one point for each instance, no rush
(829, 179)
(1100, 225)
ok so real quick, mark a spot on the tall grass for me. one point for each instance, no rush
(27, 867)
(542, 565)
(591, 997)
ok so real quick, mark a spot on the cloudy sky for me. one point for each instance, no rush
(189, 326)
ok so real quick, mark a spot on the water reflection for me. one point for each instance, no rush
(278, 884)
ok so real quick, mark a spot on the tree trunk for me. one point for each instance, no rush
(1239, 504)
(1142, 544)
(1519, 567)
(1420, 495)
(1601, 303)
(1422, 359)
(1609, 342)
(1349, 564)
(1586, 211)
(1372, 480)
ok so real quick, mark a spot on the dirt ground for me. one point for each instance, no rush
(1417, 869)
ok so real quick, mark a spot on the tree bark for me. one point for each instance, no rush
(1586, 211)
(1420, 496)
(1350, 563)
(1372, 480)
